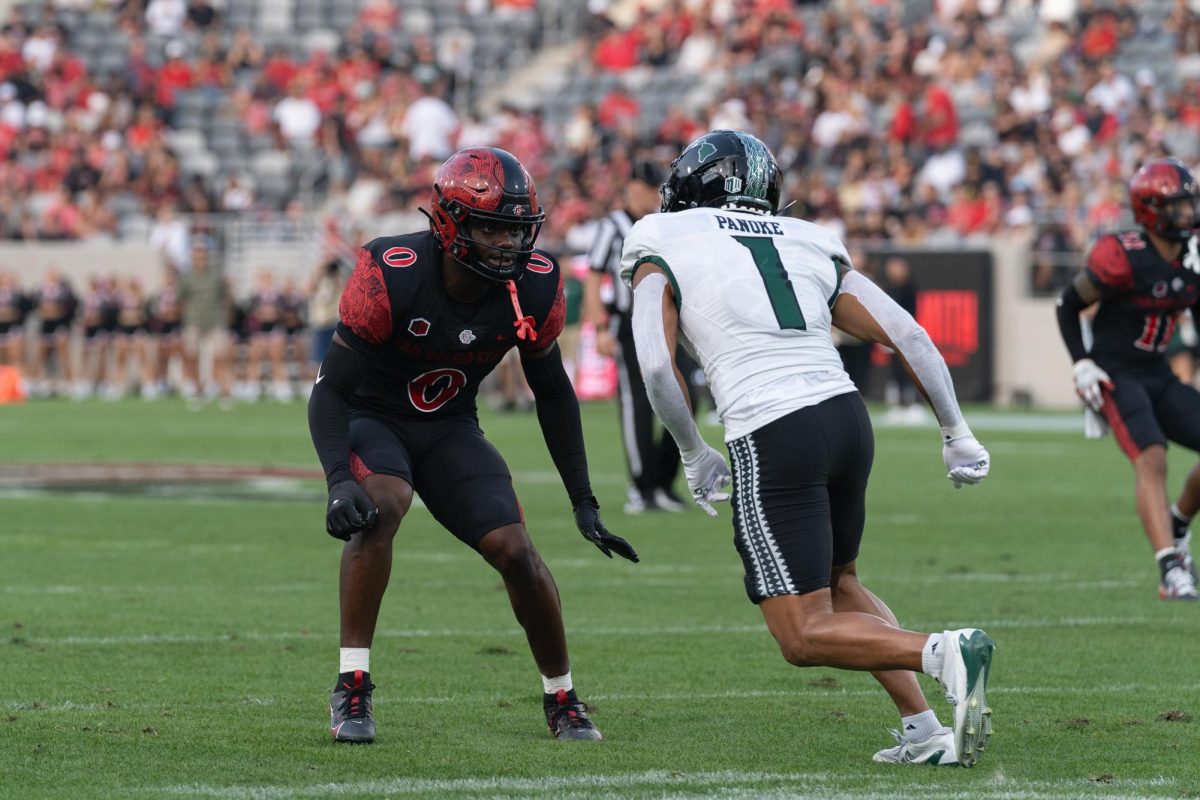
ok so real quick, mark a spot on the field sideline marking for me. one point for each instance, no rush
(721, 784)
(670, 630)
(732, 694)
(686, 574)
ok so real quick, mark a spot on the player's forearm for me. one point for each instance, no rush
(329, 410)
(1068, 307)
(913, 345)
(558, 417)
(329, 426)
(664, 386)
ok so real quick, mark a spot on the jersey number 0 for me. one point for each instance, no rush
(775, 278)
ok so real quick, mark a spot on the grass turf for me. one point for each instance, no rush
(185, 647)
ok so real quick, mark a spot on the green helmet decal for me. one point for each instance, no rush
(758, 163)
(707, 151)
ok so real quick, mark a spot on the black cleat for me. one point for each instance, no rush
(350, 717)
(567, 717)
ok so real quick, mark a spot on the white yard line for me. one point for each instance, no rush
(658, 783)
(664, 575)
(389, 700)
(669, 630)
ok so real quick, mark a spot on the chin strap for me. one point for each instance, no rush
(524, 324)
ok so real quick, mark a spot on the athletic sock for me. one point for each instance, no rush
(920, 727)
(933, 656)
(552, 685)
(1180, 522)
(354, 658)
(1167, 558)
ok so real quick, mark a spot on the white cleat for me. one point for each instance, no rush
(937, 750)
(1177, 583)
(968, 660)
(1183, 547)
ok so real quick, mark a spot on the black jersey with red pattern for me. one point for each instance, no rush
(428, 353)
(1142, 295)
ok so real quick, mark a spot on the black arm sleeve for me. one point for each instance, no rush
(1069, 305)
(558, 415)
(329, 411)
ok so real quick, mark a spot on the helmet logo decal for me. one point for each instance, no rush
(418, 326)
(467, 336)
(707, 151)
(757, 164)
(733, 184)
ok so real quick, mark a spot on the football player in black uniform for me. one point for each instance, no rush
(423, 319)
(1143, 279)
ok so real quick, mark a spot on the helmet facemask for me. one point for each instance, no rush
(485, 214)
(478, 246)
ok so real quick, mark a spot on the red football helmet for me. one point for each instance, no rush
(478, 185)
(1165, 199)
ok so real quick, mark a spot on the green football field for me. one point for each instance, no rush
(179, 640)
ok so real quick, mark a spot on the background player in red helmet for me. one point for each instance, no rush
(1143, 279)
(424, 318)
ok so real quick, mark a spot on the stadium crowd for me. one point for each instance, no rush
(980, 117)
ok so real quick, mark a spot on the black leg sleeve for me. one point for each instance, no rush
(558, 416)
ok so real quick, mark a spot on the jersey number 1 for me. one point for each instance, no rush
(1156, 333)
(775, 278)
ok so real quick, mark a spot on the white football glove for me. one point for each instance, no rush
(1090, 382)
(967, 462)
(707, 475)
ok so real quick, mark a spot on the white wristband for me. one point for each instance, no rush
(954, 431)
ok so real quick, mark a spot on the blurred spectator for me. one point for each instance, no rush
(207, 305)
(430, 126)
(170, 236)
(297, 116)
(324, 290)
(165, 18)
(201, 15)
(55, 303)
(237, 196)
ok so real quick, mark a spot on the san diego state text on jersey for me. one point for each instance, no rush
(429, 352)
(1143, 295)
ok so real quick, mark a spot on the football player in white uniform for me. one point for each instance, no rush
(753, 297)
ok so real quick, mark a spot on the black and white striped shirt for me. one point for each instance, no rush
(604, 256)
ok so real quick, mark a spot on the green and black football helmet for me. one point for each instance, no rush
(724, 169)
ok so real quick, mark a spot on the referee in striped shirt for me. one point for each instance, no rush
(652, 456)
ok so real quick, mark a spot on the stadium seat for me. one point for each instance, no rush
(418, 22)
(185, 143)
(321, 40)
(202, 163)
(134, 228)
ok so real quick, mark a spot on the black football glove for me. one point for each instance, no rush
(349, 511)
(587, 519)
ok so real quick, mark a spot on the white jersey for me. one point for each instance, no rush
(755, 295)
